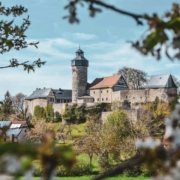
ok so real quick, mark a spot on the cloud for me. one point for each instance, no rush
(49, 76)
(172, 65)
(111, 35)
(80, 36)
(84, 36)
(54, 47)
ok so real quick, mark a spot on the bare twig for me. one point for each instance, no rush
(137, 17)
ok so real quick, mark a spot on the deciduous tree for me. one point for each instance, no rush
(135, 78)
(18, 102)
(39, 129)
(87, 145)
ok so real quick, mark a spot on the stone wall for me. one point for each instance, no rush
(59, 107)
(30, 104)
(133, 95)
(144, 95)
(166, 95)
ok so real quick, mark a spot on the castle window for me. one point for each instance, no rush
(51, 99)
(107, 91)
(102, 99)
(106, 99)
(101, 91)
(97, 99)
(126, 97)
(133, 97)
(94, 92)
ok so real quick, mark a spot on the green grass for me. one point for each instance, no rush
(90, 178)
(112, 178)
(85, 158)
(77, 131)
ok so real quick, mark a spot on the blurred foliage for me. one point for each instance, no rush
(153, 115)
(17, 158)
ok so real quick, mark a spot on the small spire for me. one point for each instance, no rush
(79, 46)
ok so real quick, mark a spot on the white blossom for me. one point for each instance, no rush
(12, 163)
(28, 175)
(169, 132)
(139, 143)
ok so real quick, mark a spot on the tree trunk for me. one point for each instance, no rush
(90, 158)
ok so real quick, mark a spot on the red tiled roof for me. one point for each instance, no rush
(104, 82)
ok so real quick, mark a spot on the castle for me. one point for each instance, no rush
(105, 89)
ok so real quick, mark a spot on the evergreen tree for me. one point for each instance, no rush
(39, 112)
(7, 106)
(58, 117)
(49, 110)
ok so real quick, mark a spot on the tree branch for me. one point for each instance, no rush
(11, 65)
(14, 63)
(137, 17)
(137, 160)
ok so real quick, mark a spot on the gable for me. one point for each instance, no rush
(121, 84)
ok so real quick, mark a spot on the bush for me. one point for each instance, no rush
(58, 117)
(37, 170)
(133, 172)
(81, 168)
(149, 171)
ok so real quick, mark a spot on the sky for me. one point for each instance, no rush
(102, 38)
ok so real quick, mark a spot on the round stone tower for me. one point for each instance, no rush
(79, 75)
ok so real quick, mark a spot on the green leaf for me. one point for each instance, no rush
(154, 38)
(173, 23)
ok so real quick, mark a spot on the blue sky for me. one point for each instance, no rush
(103, 40)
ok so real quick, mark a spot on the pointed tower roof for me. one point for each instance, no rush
(79, 55)
(79, 51)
